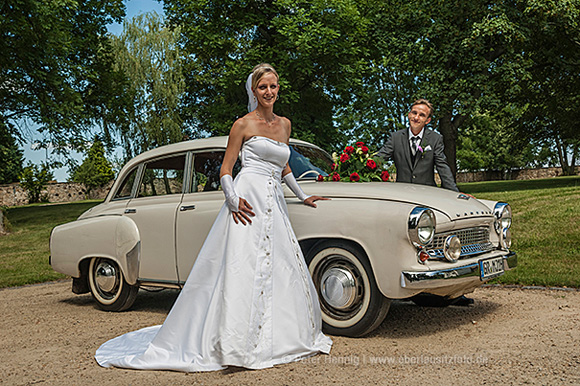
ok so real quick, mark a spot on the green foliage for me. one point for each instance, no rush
(55, 67)
(350, 68)
(10, 156)
(149, 55)
(96, 170)
(488, 144)
(549, 92)
(317, 47)
(34, 180)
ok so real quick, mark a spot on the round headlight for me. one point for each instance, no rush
(503, 216)
(452, 248)
(421, 226)
(506, 238)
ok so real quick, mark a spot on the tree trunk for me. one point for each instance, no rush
(3, 229)
(448, 126)
(568, 169)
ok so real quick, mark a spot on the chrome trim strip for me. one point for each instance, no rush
(442, 277)
(159, 283)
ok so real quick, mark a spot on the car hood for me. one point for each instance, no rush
(455, 205)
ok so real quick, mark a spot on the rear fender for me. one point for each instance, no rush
(113, 237)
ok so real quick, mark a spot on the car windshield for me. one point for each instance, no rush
(309, 162)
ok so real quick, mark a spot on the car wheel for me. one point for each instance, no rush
(108, 285)
(350, 300)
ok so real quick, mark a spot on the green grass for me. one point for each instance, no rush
(24, 252)
(546, 233)
(545, 230)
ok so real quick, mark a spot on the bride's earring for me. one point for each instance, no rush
(277, 96)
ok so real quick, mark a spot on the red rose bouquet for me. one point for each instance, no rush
(356, 164)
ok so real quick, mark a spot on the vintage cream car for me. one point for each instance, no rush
(373, 242)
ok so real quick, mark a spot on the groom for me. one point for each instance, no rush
(417, 150)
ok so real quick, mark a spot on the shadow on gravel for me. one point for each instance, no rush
(156, 301)
(405, 319)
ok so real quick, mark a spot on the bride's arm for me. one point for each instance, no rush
(293, 185)
(240, 208)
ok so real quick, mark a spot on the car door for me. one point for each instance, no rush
(199, 208)
(154, 211)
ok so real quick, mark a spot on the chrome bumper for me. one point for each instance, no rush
(445, 277)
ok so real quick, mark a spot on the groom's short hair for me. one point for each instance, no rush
(425, 102)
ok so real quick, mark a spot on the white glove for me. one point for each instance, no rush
(232, 199)
(294, 187)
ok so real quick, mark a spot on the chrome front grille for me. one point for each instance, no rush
(473, 242)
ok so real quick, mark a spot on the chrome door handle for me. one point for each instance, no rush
(186, 207)
(129, 211)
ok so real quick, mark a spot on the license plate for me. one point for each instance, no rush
(490, 268)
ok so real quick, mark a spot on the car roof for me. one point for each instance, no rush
(220, 142)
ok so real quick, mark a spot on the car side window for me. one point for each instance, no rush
(163, 176)
(124, 191)
(206, 166)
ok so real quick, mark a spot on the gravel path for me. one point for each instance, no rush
(511, 336)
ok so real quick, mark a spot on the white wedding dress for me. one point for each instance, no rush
(249, 300)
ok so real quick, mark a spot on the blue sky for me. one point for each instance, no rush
(134, 8)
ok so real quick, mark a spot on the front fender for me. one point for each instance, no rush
(379, 227)
(113, 237)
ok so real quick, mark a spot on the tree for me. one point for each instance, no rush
(55, 65)
(318, 47)
(10, 156)
(488, 143)
(34, 180)
(148, 54)
(549, 92)
(96, 170)
(352, 68)
(475, 56)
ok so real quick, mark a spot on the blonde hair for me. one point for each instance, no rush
(425, 102)
(259, 71)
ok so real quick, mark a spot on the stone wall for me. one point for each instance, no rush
(14, 194)
(520, 174)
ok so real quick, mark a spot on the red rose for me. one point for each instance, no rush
(385, 176)
(333, 167)
(344, 157)
(320, 178)
(354, 177)
(371, 164)
(349, 150)
(364, 149)
(359, 144)
(335, 176)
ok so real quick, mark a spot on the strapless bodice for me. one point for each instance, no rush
(264, 155)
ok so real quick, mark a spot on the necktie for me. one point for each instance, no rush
(414, 140)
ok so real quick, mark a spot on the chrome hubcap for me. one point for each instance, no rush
(338, 288)
(106, 276)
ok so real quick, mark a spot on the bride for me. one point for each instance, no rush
(249, 300)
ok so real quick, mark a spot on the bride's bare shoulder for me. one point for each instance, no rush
(287, 125)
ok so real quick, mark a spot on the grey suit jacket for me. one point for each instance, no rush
(422, 171)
